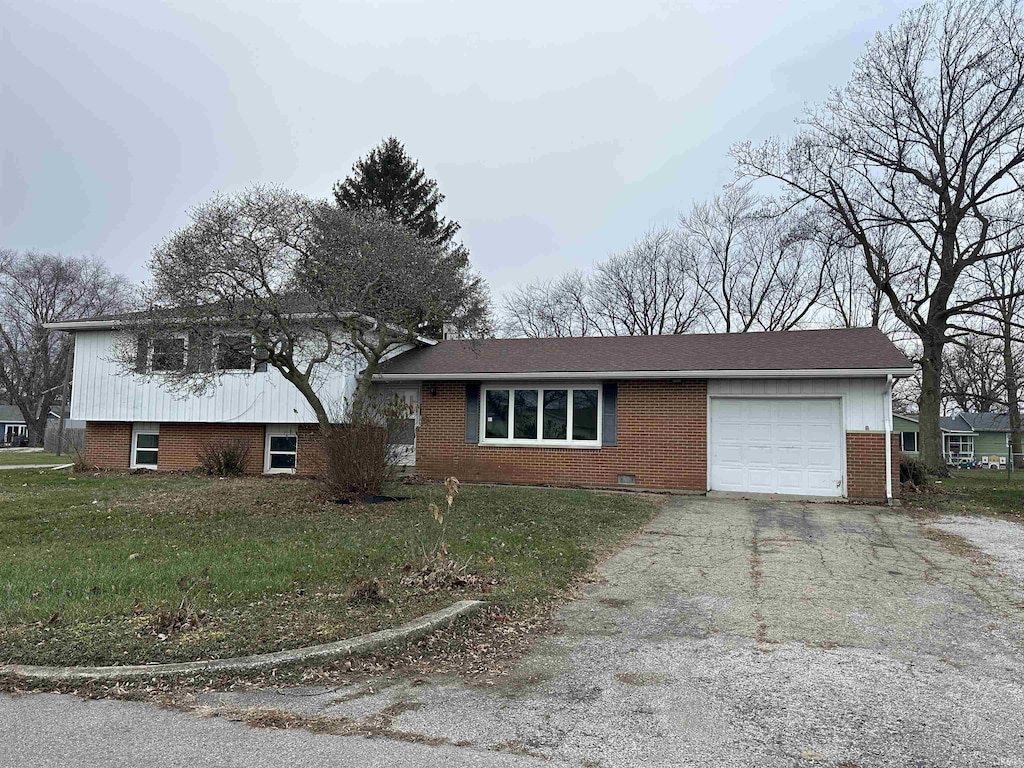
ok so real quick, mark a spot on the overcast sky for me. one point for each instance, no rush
(558, 131)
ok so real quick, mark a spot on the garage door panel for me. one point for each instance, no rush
(789, 457)
(776, 445)
(759, 456)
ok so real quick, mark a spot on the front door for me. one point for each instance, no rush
(405, 440)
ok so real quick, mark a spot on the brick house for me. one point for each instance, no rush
(804, 413)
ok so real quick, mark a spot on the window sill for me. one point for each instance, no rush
(589, 444)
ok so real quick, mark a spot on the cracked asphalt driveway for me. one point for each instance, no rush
(729, 633)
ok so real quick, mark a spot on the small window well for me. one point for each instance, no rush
(627, 479)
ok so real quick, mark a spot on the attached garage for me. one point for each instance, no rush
(789, 445)
(800, 413)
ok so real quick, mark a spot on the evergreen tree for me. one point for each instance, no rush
(389, 179)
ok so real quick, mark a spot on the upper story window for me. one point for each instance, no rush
(234, 353)
(535, 415)
(167, 353)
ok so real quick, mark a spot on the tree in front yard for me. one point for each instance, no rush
(301, 286)
(917, 159)
(38, 288)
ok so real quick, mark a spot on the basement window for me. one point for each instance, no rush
(281, 450)
(145, 446)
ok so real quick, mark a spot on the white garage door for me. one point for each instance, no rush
(782, 445)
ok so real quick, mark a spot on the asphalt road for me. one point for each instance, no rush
(730, 633)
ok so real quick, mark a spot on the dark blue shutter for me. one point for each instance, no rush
(609, 420)
(472, 412)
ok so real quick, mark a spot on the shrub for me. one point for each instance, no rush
(223, 458)
(362, 453)
(913, 472)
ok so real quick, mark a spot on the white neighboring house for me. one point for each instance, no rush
(136, 421)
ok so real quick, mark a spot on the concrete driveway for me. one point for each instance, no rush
(730, 633)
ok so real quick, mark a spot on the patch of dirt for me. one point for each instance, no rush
(642, 678)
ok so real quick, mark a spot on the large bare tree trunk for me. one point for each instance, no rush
(37, 429)
(1012, 391)
(930, 436)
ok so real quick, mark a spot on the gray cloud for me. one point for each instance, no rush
(558, 131)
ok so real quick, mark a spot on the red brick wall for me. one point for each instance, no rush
(865, 466)
(108, 445)
(181, 444)
(661, 436)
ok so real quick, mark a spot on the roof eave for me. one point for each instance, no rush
(806, 373)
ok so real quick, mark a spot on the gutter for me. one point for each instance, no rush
(678, 374)
(888, 438)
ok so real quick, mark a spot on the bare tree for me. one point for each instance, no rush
(551, 308)
(303, 287)
(972, 375)
(38, 288)
(755, 267)
(1000, 281)
(648, 289)
(926, 141)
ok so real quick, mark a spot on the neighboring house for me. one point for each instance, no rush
(968, 439)
(13, 430)
(796, 412)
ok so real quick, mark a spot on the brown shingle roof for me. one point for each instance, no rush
(847, 348)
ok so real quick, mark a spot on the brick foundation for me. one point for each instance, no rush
(108, 445)
(661, 436)
(865, 466)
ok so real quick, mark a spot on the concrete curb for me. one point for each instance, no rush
(362, 644)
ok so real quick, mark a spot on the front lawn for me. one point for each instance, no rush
(89, 563)
(986, 491)
(11, 457)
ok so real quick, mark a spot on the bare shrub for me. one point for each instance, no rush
(362, 453)
(437, 569)
(184, 613)
(366, 591)
(223, 458)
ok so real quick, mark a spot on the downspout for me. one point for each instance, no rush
(888, 438)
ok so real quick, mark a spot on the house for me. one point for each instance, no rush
(13, 430)
(796, 412)
(968, 439)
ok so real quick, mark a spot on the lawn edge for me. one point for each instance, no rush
(353, 646)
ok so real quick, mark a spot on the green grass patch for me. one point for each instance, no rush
(13, 458)
(982, 491)
(88, 561)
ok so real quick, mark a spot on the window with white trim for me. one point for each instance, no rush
(281, 450)
(15, 432)
(234, 353)
(541, 415)
(145, 446)
(908, 442)
(959, 447)
(168, 353)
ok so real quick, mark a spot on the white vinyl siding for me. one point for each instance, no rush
(102, 391)
(865, 401)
